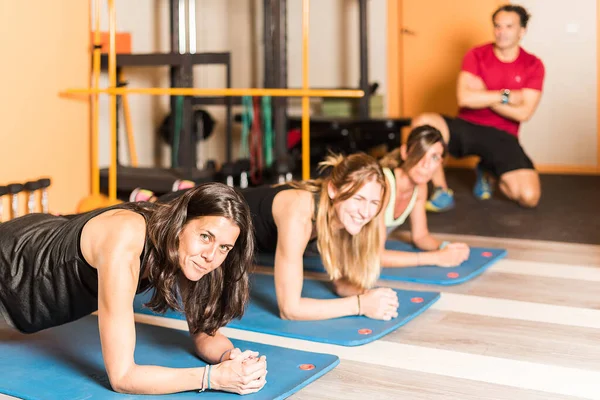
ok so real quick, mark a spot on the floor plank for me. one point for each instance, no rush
(356, 380)
(552, 344)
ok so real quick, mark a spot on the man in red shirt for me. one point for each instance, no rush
(499, 86)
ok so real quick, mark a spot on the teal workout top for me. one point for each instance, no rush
(390, 222)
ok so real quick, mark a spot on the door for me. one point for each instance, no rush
(434, 37)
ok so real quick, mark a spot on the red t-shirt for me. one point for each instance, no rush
(527, 71)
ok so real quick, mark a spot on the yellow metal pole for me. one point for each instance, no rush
(95, 179)
(598, 91)
(305, 99)
(394, 58)
(221, 92)
(112, 78)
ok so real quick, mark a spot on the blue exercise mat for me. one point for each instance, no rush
(66, 363)
(480, 259)
(262, 314)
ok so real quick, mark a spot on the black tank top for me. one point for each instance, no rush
(260, 200)
(44, 278)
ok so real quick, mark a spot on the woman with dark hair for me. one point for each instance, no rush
(194, 251)
(408, 169)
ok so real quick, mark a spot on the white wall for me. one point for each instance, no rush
(226, 25)
(334, 43)
(564, 128)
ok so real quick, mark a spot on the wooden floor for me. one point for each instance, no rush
(529, 328)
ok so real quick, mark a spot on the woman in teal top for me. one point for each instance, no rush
(407, 170)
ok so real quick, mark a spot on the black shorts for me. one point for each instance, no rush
(500, 152)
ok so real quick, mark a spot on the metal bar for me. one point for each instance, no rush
(223, 92)
(174, 25)
(118, 117)
(191, 160)
(211, 58)
(268, 43)
(394, 58)
(218, 100)
(305, 99)
(363, 107)
(170, 59)
(192, 25)
(187, 146)
(95, 169)
(280, 120)
(598, 91)
(228, 115)
(112, 77)
(181, 17)
(175, 70)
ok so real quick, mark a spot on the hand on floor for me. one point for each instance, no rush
(380, 303)
(453, 255)
(243, 373)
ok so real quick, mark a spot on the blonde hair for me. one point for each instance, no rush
(418, 142)
(355, 258)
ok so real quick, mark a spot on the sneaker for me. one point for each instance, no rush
(441, 200)
(140, 194)
(182, 184)
(483, 188)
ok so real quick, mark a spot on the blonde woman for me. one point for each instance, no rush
(339, 213)
(408, 169)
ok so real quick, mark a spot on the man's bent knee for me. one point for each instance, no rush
(522, 186)
(432, 119)
(529, 197)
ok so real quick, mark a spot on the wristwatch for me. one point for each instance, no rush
(505, 95)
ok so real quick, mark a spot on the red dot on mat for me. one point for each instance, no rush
(452, 275)
(306, 367)
(365, 331)
(486, 254)
(417, 299)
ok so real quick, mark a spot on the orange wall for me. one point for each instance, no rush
(45, 49)
(440, 33)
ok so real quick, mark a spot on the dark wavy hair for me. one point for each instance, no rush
(521, 12)
(219, 296)
(418, 142)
